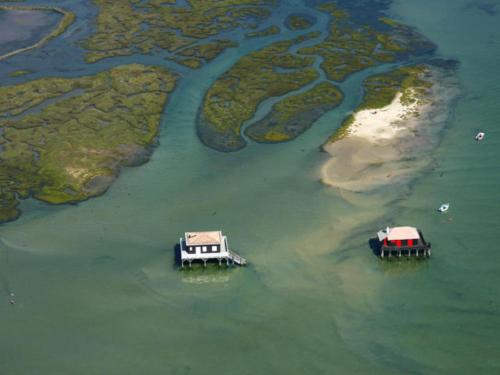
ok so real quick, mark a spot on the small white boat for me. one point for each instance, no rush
(479, 136)
(444, 207)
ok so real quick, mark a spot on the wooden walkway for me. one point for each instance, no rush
(237, 259)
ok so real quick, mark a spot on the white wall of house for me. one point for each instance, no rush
(204, 251)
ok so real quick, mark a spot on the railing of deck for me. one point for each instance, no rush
(239, 260)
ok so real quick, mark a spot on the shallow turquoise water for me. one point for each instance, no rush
(98, 293)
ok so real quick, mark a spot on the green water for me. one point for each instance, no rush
(98, 293)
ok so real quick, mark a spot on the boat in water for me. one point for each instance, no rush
(479, 136)
(444, 207)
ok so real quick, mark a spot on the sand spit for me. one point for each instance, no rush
(390, 144)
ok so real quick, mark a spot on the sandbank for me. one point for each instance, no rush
(387, 145)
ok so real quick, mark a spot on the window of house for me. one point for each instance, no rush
(204, 249)
(214, 248)
(197, 249)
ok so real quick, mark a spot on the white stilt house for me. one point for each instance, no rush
(207, 246)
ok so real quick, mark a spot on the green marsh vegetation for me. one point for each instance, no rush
(128, 27)
(271, 30)
(381, 89)
(299, 22)
(234, 97)
(19, 73)
(194, 57)
(351, 47)
(295, 114)
(64, 140)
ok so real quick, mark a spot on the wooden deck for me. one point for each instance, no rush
(237, 259)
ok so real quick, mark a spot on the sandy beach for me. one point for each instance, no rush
(385, 123)
(386, 145)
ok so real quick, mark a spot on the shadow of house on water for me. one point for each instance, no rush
(177, 255)
(374, 245)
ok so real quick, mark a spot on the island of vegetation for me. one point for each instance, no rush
(234, 97)
(268, 31)
(129, 26)
(19, 73)
(194, 56)
(65, 140)
(353, 44)
(295, 114)
(299, 21)
(67, 19)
